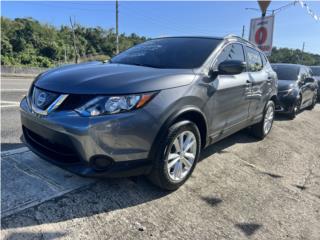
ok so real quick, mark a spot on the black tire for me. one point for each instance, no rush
(257, 130)
(159, 174)
(295, 109)
(314, 101)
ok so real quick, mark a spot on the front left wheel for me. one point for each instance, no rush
(176, 156)
(262, 129)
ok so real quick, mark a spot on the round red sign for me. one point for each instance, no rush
(261, 35)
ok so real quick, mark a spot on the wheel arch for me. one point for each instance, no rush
(274, 98)
(192, 114)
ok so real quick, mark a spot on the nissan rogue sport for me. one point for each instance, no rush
(151, 109)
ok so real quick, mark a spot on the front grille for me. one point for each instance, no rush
(55, 151)
(42, 99)
(74, 101)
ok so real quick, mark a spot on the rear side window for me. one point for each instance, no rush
(231, 52)
(254, 60)
(264, 59)
(310, 73)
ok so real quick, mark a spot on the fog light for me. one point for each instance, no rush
(101, 163)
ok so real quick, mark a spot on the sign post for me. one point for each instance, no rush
(261, 33)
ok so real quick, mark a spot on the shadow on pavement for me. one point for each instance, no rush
(108, 195)
(212, 201)
(11, 146)
(240, 137)
(248, 228)
(29, 235)
(104, 196)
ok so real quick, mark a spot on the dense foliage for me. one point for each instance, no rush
(25, 41)
(286, 55)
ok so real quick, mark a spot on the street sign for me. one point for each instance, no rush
(261, 33)
(263, 4)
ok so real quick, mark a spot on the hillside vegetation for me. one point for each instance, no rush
(26, 42)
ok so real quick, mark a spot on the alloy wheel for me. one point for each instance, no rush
(268, 120)
(182, 154)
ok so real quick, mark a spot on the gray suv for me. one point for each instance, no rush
(151, 109)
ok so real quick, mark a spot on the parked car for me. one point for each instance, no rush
(151, 109)
(316, 76)
(296, 88)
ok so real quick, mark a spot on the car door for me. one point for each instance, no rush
(260, 80)
(305, 87)
(310, 84)
(228, 104)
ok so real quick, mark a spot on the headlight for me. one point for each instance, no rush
(286, 92)
(102, 105)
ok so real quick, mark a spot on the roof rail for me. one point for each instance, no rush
(239, 38)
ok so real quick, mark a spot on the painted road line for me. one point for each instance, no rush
(28, 180)
(9, 106)
(14, 90)
(14, 151)
(9, 102)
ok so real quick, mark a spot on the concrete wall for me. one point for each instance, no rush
(19, 70)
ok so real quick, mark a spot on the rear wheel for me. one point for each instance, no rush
(177, 156)
(262, 129)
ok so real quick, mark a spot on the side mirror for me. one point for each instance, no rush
(231, 67)
(309, 80)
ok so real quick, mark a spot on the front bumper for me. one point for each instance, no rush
(121, 142)
(285, 103)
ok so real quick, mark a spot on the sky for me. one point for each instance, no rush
(293, 25)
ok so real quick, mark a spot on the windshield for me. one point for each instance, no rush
(286, 72)
(315, 71)
(179, 52)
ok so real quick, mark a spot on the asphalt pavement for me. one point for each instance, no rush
(12, 91)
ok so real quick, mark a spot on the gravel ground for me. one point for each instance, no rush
(241, 189)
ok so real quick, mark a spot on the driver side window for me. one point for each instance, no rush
(231, 52)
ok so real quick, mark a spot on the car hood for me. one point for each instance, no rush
(107, 78)
(286, 84)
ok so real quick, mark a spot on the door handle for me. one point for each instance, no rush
(248, 82)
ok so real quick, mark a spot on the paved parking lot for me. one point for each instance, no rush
(242, 188)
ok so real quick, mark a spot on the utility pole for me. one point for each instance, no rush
(302, 50)
(74, 42)
(243, 29)
(117, 27)
(65, 53)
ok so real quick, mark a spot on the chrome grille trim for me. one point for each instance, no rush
(54, 105)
